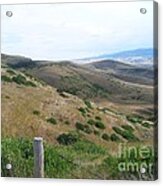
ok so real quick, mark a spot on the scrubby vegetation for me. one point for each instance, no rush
(67, 139)
(67, 122)
(80, 86)
(97, 123)
(7, 97)
(88, 104)
(96, 132)
(98, 118)
(59, 162)
(134, 119)
(67, 161)
(52, 120)
(128, 135)
(128, 127)
(6, 78)
(12, 72)
(82, 110)
(114, 137)
(36, 112)
(100, 125)
(91, 122)
(83, 127)
(21, 80)
(105, 137)
(146, 125)
(85, 150)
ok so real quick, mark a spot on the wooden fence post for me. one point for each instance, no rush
(38, 157)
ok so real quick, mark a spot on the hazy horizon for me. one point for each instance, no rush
(74, 31)
(83, 58)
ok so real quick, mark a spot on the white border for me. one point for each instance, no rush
(63, 182)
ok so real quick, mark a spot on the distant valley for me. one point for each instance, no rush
(82, 111)
(106, 79)
(138, 57)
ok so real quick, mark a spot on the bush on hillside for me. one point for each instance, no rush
(114, 137)
(98, 118)
(128, 127)
(6, 78)
(52, 121)
(21, 80)
(105, 137)
(84, 128)
(91, 122)
(100, 125)
(67, 139)
(88, 103)
(125, 134)
(36, 112)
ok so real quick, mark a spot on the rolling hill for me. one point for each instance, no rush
(138, 57)
(104, 80)
(126, 72)
(74, 109)
(30, 104)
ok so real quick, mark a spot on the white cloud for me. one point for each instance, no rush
(57, 31)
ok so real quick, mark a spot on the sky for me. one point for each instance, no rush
(74, 31)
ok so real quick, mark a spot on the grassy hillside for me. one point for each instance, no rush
(27, 102)
(91, 84)
(104, 80)
(82, 130)
(82, 160)
(126, 72)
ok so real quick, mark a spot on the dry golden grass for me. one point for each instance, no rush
(18, 120)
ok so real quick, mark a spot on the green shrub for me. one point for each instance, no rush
(88, 115)
(84, 128)
(88, 104)
(52, 121)
(91, 122)
(105, 137)
(6, 78)
(67, 122)
(87, 109)
(82, 110)
(21, 80)
(134, 119)
(128, 127)
(11, 72)
(99, 125)
(98, 118)
(36, 112)
(125, 134)
(146, 125)
(79, 126)
(96, 132)
(30, 83)
(114, 137)
(67, 139)
(87, 129)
